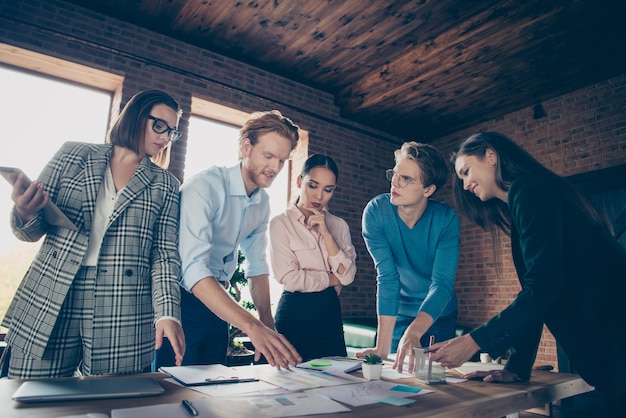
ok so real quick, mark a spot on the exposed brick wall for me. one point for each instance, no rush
(584, 130)
(149, 60)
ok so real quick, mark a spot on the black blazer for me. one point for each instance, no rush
(569, 268)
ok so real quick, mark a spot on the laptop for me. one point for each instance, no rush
(80, 389)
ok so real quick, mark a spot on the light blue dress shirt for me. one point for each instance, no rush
(216, 219)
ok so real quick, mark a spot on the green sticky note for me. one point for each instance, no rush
(320, 363)
(405, 388)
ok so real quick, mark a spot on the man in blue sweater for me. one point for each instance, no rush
(414, 242)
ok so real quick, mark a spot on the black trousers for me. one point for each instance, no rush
(206, 336)
(312, 323)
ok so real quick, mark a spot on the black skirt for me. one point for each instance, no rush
(312, 323)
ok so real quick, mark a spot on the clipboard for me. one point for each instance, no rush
(51, 213)
(202, 375)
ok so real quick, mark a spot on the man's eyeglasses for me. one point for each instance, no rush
(160, 126)
(403, 181)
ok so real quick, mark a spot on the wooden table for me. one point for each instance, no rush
(467, 399)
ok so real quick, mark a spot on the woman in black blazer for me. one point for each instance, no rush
(569, 264)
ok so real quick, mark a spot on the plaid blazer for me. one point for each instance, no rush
(138, 269)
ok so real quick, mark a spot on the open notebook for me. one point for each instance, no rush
(80, 389)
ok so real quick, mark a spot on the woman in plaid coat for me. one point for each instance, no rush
(94, 299)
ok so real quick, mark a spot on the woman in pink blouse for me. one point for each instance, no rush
(313, 258)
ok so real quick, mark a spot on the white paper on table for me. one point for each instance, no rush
(393, 374)
(297, 404)
(472, 366)
(390, 373)
(338, 365)
(203, 374)
(293, 379)
(233, 389)
(367, 393)
(206, 407)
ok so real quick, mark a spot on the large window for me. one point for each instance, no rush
(39, 114)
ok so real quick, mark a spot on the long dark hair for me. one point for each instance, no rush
(512, 162)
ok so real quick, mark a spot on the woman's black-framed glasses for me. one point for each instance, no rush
(403, 181)
(160, 126)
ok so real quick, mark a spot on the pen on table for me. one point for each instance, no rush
(189, 407)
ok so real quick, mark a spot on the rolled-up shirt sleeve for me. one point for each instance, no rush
(198, 204)
(253, 247)
(346, 256)
(298, 260)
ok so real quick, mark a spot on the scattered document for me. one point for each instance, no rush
(255, 388)
(337, 366)
(367, 393)
(391, 373)
(206, 408)
(297, 404)
(294, 379)
(472, 366)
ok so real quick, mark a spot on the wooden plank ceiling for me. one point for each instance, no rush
(416, 69)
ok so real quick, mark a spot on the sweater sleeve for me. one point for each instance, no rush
(445, 263)
(388, 278)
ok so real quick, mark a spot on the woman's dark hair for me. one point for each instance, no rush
(512, 162)
(129, 129)
(319, 160)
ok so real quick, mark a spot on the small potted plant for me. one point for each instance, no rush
(372, 367)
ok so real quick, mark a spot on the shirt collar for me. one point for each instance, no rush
(237, 186)
(295, 214)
